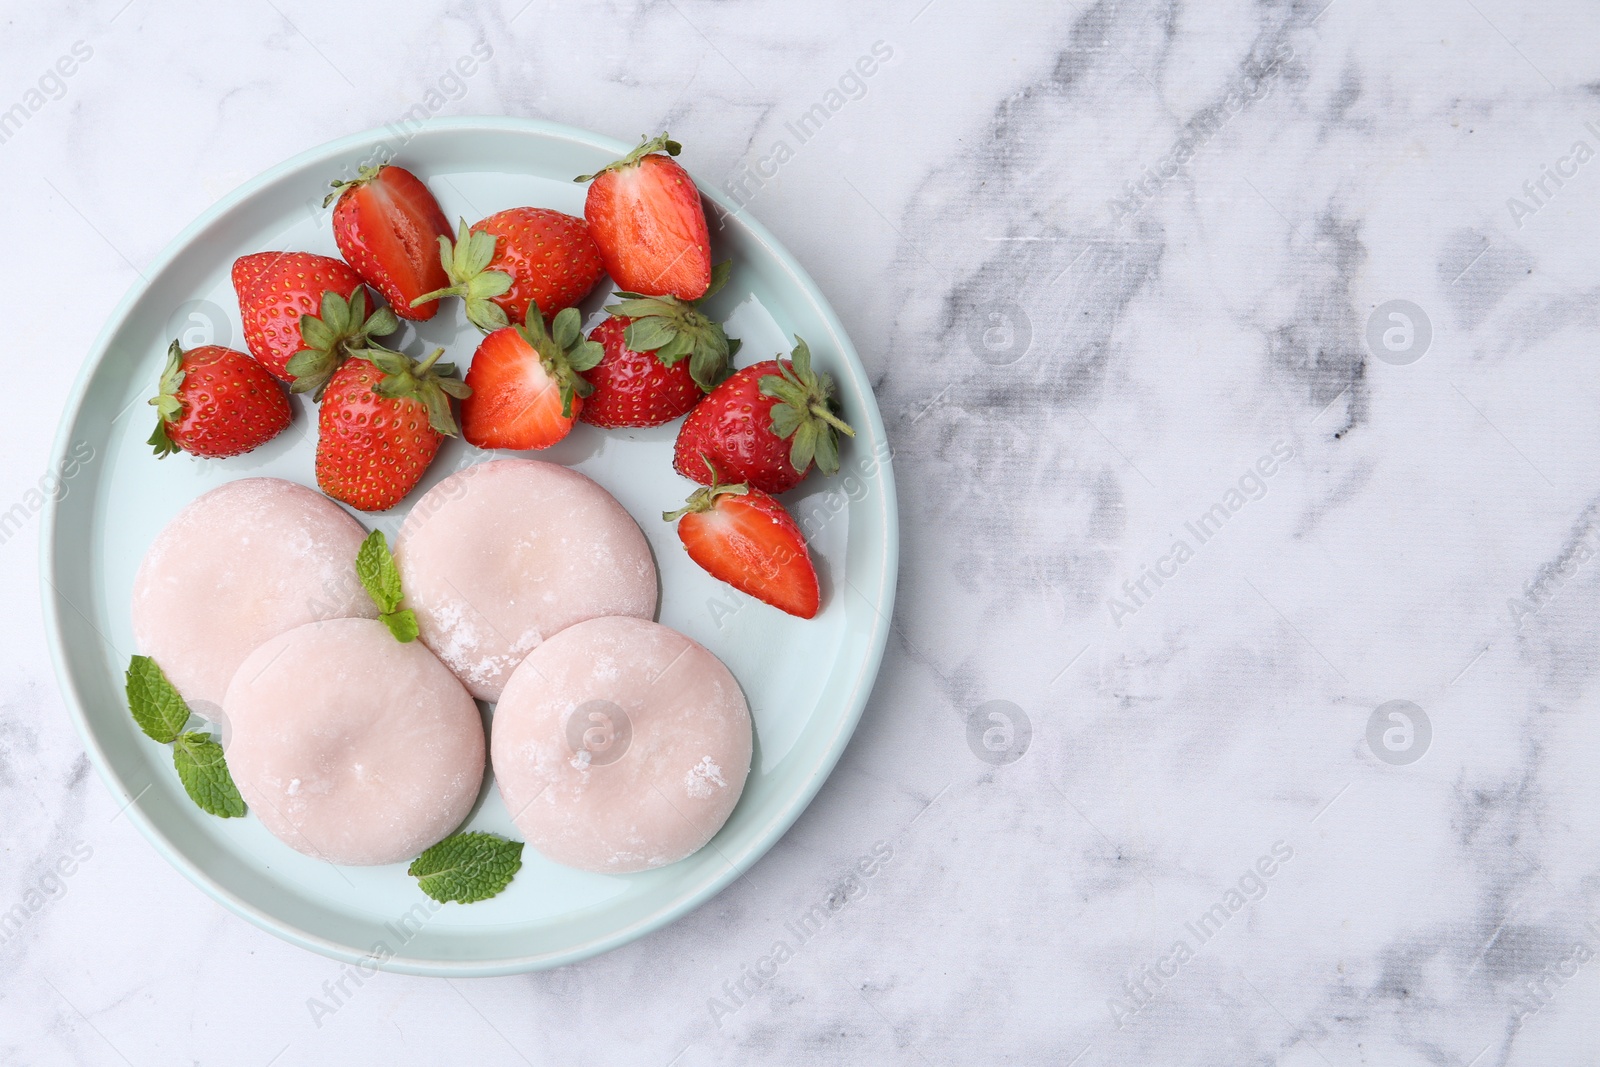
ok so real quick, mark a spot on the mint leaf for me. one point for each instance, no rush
(157, 707)
(204, 773)
(467, 867)
(403, 624)
(380, 577)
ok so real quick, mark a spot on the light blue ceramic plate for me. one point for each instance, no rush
(806, 681)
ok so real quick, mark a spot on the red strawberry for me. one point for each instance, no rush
(646, 216)
(275, 290)
(387, 225)
(517, 257)
(341, 330)
(765, 426)
(216, 402)
(381, 422)
(742, 536)
(644, 378)
(526, 386)
(635, 388)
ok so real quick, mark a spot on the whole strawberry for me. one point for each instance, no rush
(662, 355)
(216, 402)
(764, 426)
(340, 330)
(645, 214)
(517, 257)
(634, 388)
(382, 420)
(387, 225)
(276, 291)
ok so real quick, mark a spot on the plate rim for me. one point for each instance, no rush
(761, 842)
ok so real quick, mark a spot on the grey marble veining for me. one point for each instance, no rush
(1238, 362)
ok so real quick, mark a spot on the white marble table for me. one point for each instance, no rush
(1184, 489)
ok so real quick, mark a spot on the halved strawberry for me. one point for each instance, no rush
(276, 290)
(662, 355)
(765, 425)
(517, 257)
(381, 423)
(526, 386)
(645, 214)
(216, 402)
(744, 537)
(387, 226)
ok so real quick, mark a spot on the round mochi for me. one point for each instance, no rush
(350, 746)
(498, 557)
(238, 566)
(620, 745)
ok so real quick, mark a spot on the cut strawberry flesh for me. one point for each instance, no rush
(514, 402)
(651, 229)
(741, 543)
(403, 227)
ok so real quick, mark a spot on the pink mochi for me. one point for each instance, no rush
(620, 745)
(350, 746)
(238, 566)
(500, 556)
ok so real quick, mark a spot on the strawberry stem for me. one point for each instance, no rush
(427, 364)
(832, 420)
(647, 146)
(440, 294)
(363, 176)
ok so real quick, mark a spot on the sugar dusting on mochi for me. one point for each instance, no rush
(498, 557)
(352, 747)
(238, 566)
(652, 766)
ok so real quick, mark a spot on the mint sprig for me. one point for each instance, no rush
(204, 772)
(157, 706)
(161, 713)
(380, 577)
(467, 867)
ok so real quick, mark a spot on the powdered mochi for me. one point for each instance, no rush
(238, 566)
(498, 557)
(620, 745)
(350, 746)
